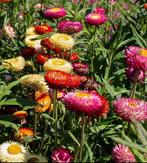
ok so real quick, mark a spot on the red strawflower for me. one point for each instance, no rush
(62, 79)
(28, 52)
(42, 29)
(42, 58)
(46, 43)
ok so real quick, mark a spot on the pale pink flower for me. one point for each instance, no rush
(9, 30)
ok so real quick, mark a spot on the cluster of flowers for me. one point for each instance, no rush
(64, 72)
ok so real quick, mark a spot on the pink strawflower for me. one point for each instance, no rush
(55, 13)
(9, 30)
(80, 68)
(70, 27)
(89, 103)
(100, 10)
(135, 75)
(136, 56)
(122, 154)
(61, 155)
(130, 109)
(96, 18)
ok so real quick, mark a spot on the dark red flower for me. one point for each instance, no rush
(42, 58)
(28, 52)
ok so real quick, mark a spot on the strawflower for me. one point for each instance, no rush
(20, 114)
(34, 81)
(80, 68)
(43, 100)
(130, 109)
(69, 27)
(42, 29)
(8, 29)
(55, 13)
(28, 52)
(14, 64)
(58, 64)
(63, 41)
(58, 78)
(122, 154)
(61, 155)
(24, 132)
(89, 103)
(96, 18)
(12, 152)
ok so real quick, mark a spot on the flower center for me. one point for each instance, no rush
(14, 149)
(55, 9)
(144, 52)
(95, 16)
(132, 104)
(82, 94)
(58, 62)
(64, 38)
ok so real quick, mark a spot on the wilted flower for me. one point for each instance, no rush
(70, 27)
(130, 109)
(33, 43)
(135, 74)
(90, 84)
(43, 100)
(62, 79)
(58, 64)
(36, 158)
(12, 152)
(8, 29)
(23, 132)
(34, 81)
(89, 103)
(55, 13)
(62, 41)
(81, 68)
(14, 64)
(122, 154)
(42, 29)
(96, 18)
(61, 155)
(28, 52)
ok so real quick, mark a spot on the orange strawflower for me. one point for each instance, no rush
(20, 114)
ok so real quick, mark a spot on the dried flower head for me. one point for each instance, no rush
(14, 64)
(70, 27)
(9, 31)
(58, 64)
(62, 41)
(130, 109)
(122, 154)
(86, 102)
(12, 152)
(34, 81)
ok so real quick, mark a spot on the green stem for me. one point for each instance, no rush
(35, 122)
(133, 90)
(82, 137)
(55, 114)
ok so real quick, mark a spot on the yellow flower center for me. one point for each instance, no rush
(82, 94)
(58, 62)
(64, 38)
(144, 52)
(14, 149)
(132, 104)
(95, 16)
(55, 9)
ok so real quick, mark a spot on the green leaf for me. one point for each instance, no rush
(9, 124)
(74, 138)
(90, 153)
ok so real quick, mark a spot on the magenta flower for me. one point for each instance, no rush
(130, 109)
(135, 75)
(61, 155)
(100, 10)
(80, 68)
(87, 102)
(96, 18)
(70, 27)
(122, 154)
(55, 13)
